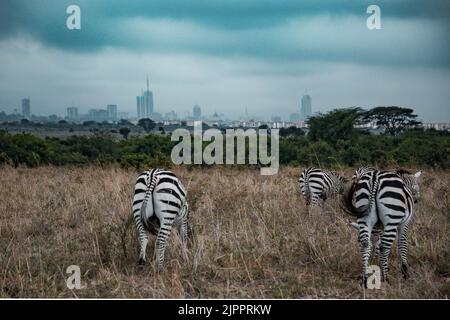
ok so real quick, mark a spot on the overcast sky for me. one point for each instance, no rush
(226, 55)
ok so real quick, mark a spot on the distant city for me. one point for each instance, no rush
(145, 109)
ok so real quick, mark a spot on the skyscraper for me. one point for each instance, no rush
(197, 112)
(144, 103)
(306, 109)
(26, 106)
(148, 100)
(112, 112)
(72, 113)
(139, 106)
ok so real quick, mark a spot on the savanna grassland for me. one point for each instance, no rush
(253, 238)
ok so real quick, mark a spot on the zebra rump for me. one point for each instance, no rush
(159, 204)
(317, 184)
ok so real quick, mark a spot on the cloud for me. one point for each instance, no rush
(326, 30)
(55, 79)
(226, 55)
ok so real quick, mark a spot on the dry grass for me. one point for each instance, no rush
(253, 239)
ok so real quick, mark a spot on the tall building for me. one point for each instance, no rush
(294, 117)
(98, 115)
(72, 113)
(26, 112)
(148, 100)
(144, 103)
(122, 115)
(306, 109)
(172, 115)
(197, 112)
(140, 107)
(112, 112)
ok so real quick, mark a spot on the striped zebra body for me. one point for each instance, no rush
(410, 183)
(159, 203)
(317, 185)
(383, 198)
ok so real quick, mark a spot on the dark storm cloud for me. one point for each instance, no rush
(225, 55)
(227, 14)
(244, 28)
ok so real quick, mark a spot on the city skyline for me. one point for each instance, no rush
(226, 56)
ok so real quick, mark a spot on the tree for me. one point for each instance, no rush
(292, 132)
(124, 122)
(393, 119)
(147, 124)
(124, 132)
(335, 125)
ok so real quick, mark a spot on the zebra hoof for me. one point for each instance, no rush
(385, 279)
(364, 281)
(141, 262)
(160, 269)
(405, 271)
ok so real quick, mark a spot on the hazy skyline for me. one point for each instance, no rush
(226, 56)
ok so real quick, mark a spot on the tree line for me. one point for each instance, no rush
(334, 139)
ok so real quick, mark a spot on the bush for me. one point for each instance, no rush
(414, 148)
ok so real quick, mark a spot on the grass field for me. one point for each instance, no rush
(253, 239)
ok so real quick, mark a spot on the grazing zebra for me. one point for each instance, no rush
(159, 203)
(410, 182)
(386, 198)
(317, 185)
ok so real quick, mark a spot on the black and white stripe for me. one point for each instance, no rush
(159, 203)
(317, 185)
(386, 198)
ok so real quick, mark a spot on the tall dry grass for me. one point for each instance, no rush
(253, 239)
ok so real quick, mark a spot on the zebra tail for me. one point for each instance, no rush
(307, 189)
(153, 180)
(347, 204)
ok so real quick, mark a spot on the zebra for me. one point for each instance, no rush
(383, 198)
(159, 202)
(317, 185)
(411, 184)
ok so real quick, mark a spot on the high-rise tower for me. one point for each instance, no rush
(197, 112)
(306, 109)
(26, 106)
(144, 103)
(148, 100)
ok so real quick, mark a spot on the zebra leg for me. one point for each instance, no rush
(314, 202)
(387, 239)
(142, 235)
(365, 247)
(161, 240)
(403, 249)
(143, 239)
(377, 247)
(185, 227)
(184, 230)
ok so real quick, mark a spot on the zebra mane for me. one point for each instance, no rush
(362, 170)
